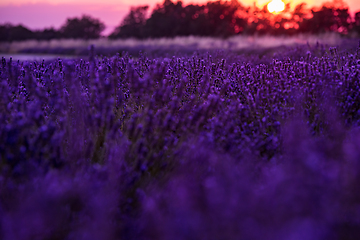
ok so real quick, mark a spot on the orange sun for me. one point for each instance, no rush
(276, 6)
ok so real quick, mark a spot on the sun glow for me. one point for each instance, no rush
(276, 6)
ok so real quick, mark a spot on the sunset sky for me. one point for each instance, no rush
(38, 14)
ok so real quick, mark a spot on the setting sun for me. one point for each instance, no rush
(276, 6)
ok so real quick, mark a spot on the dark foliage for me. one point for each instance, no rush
(356, 24)
(132, 25)
(330, 18)
(48, 34)
(173, 19)
(85, 27)
(227, 18)
(215, 18)
(9, 33)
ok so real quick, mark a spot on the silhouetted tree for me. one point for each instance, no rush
(20, 33)
(343, 20)
(222, 18)
(133, 24)
(85, 27)
(191, 20)
(165, 20)
(331, 17)
(4, 32)
(260, 21)
(219, 18)
(298, 15)
(10, 33)
(356, 24)
(171, 19)
(47, 34)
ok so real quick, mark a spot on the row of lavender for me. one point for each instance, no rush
(212, 146)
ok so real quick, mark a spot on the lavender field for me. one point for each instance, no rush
(211, 145)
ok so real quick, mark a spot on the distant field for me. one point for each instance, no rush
(35, 57)
(242, 44)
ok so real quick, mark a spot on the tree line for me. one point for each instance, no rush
(216, 18)
(85, 27)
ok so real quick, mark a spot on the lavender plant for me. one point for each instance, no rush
(208, 146)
